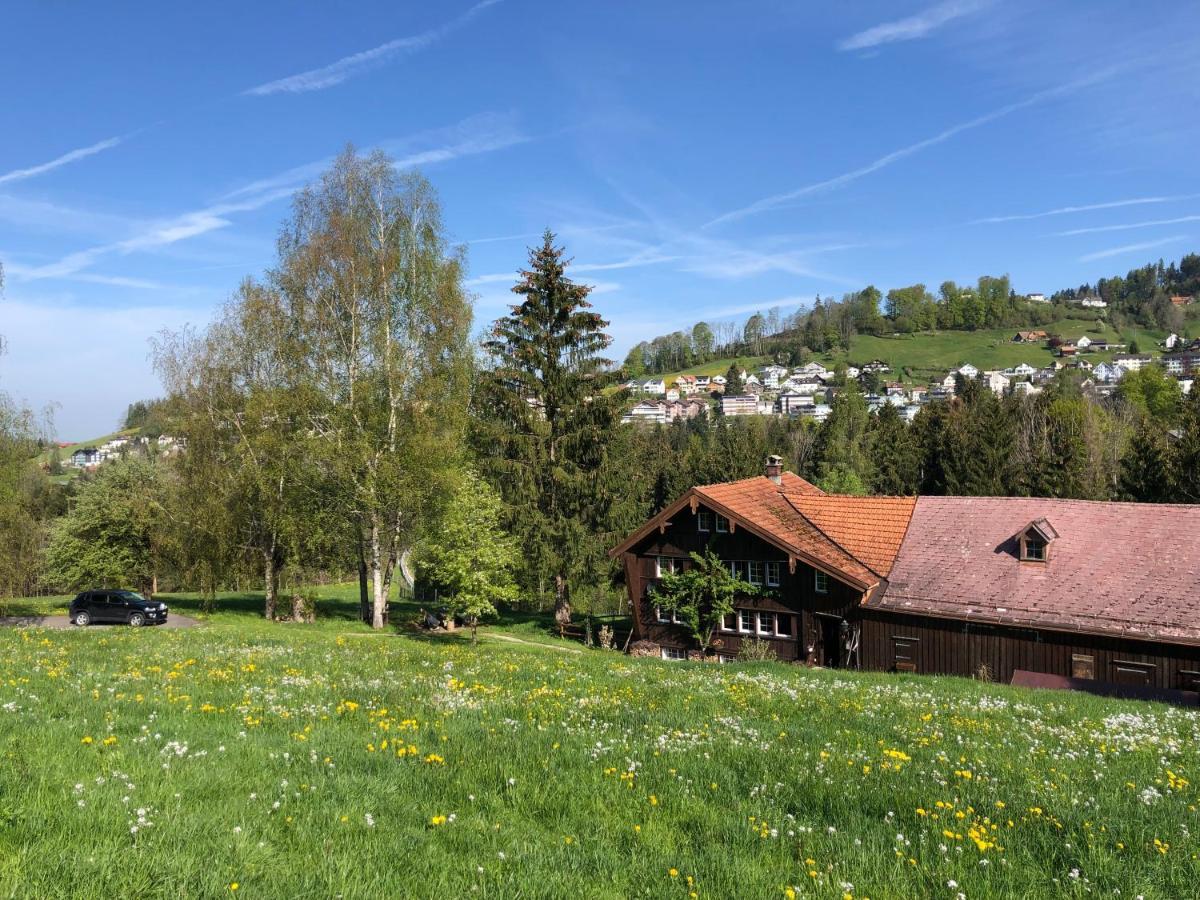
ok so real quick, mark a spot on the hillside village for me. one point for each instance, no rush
(808, 390)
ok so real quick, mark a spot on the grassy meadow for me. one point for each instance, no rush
(243, 758)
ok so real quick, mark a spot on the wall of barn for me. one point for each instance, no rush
(950, 647)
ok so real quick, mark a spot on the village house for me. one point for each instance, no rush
(672, 394)
(1170, 341)
(1093, 303)
(1084, 342)
(739, 405)
(702, 382)
(918, 393)
(818, 412)
(1067, 349)
(1030, 337)
(1022, 370)
(1003, 588)
(773, 375)
(1132, 363)
(877, 366)
(996, 382)
(654, 386)
(1036, 298)
(633, 386)
(1181, 300)
(686, 384)
(85, 458)
(1107, 372)
(853, 371)
(647, 412)
(1025, 388)
(792, 403)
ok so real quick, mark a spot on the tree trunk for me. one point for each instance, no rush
(271, 578)
(379, 598)
(562, 603)
(153, 584)
(364, 593)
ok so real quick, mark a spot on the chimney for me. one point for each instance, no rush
(775, 469)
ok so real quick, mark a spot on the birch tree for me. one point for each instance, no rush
(378, 323)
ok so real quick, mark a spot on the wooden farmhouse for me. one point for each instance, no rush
(1101, 596)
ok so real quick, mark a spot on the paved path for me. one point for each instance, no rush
(173, 621)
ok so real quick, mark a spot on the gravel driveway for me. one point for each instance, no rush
(173, 621)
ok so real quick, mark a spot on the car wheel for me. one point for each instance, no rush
(137, 620)
(83, 618)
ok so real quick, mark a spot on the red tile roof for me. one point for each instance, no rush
(869, 528)
(765, 507)
(1128, 569)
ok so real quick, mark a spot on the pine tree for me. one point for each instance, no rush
(733, 381)
(1146, 467)
(544, 422)
(842, 445)
(894, 451)
(1186, 458)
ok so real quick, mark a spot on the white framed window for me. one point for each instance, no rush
(745, 621)
(673, 653)
(754, 571)
(766, 623)
(722, 524)
(783, 626)
(664, 564)
(704, 520)
(666, 616)
(737, 568)
(729, 622)
(772, 574)
(820, 582)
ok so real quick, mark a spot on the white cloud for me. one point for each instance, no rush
(776, 200)
(1091, 207)
(65, 159)
(349, 66)
(156, 234)
(913, 27)
(1128, 227)
(1131, 248)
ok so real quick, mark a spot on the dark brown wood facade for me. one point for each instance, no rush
(892, 641)
(809, 624)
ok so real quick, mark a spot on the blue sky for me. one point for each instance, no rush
(700, 160)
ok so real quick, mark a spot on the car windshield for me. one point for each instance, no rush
(131, 595)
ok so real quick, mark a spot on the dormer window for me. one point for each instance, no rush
(1033, 549)
(1033, 541)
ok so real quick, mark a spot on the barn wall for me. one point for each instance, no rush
(950, 647)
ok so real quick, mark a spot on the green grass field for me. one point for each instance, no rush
(244, 758)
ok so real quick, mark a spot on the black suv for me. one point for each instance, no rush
(117, 606)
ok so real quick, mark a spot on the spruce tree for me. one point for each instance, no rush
(893, 449)
(544, 422)
(1146, 467)
(733, 381)
(1186, 456)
